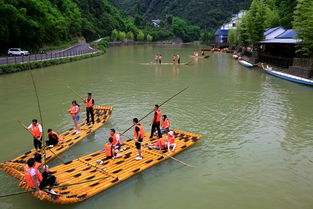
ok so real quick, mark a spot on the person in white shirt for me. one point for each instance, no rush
(36, 131)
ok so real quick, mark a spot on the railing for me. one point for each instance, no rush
(43, 56)
(275, 60)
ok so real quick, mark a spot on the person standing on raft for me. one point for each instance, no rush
(160, 59)
(174, 59)
(74, 112)
(155, 124)
(89, 101)
(178, 59)
(156, 58)
(36, 130)
(139, 133)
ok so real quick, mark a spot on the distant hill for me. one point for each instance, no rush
(208, 14)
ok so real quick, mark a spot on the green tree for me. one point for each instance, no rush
(243, 34)
(149, 38)
(130, 35)
(121, 35)
(256, 21)
(114, 35)
(140, 36)
(303, 24)
(205, 37)
(272, 17)
(232, 37)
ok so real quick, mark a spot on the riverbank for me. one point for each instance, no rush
(12, 68)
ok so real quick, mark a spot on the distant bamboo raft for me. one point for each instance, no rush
(83, 178)
(70, 138)
(171, 63)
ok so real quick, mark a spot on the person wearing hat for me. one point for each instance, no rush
(170, 141)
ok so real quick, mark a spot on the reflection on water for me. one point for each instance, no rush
(257, 135)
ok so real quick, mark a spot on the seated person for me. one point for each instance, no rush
(159, 145)
(117, 139)
(110, 151)
(165, 126)
(35, 180)
(53, 138)
(170, 141)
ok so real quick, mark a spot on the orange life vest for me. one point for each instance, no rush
(141, 131)
(88, 103)
(73, 111)
(160, 57)
(170, 138)
(35, 131)
(173, 57)
(114, 138)
(28, 177)
(157, 116)
(156, 57)
(108, 149)
(161, 143)
(165, 123)
(60, 139)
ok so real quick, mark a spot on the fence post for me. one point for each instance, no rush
(35, 57)
(41, 56)
(7, 60)
(29, 58)
(15, 59)
(46, 56)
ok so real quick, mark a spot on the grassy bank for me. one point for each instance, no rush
(12, 68)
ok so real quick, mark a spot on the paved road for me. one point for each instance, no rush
(72, 51)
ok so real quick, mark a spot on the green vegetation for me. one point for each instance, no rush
(232, 37)
(30, 24)
(101, 45)
(208, 14)
(121, 35)
(130, 36)
(40, 64)
(149, 38)
(264, 14)
(140, 36)
(303, 24)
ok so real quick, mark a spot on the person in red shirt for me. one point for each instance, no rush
(159, 145)
(155, 124)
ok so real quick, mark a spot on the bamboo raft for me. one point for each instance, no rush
(200, 57)
(102, 115)
(170, 63)
(83, 178)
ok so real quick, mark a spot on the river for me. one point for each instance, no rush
(257, 145)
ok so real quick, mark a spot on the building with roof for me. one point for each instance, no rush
(278, 46)
(221, 34)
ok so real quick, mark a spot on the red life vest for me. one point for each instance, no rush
(60, 140)
(114, 138)
(28, 177)
(73, 111)
(156, 57)
(141, 131)
(170, 138)
(160, 57)
(157, 116)
(35, 131)
(88, 103)
(108, 149)
(165, 123)
(161, 143)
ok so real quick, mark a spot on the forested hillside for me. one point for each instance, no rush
(205, 13)
(32, 23)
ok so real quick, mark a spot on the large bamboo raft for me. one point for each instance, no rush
(102, 115)
(83, 178)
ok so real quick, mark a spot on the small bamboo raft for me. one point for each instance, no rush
(171, 63)
(83, 178)
(102, 115)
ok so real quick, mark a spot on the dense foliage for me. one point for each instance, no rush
(204, 13)
(303, 24)
(264, 14)
(32, 23)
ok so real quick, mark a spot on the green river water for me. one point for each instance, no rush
(257, 145)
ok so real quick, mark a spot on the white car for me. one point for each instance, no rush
(17, 51)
